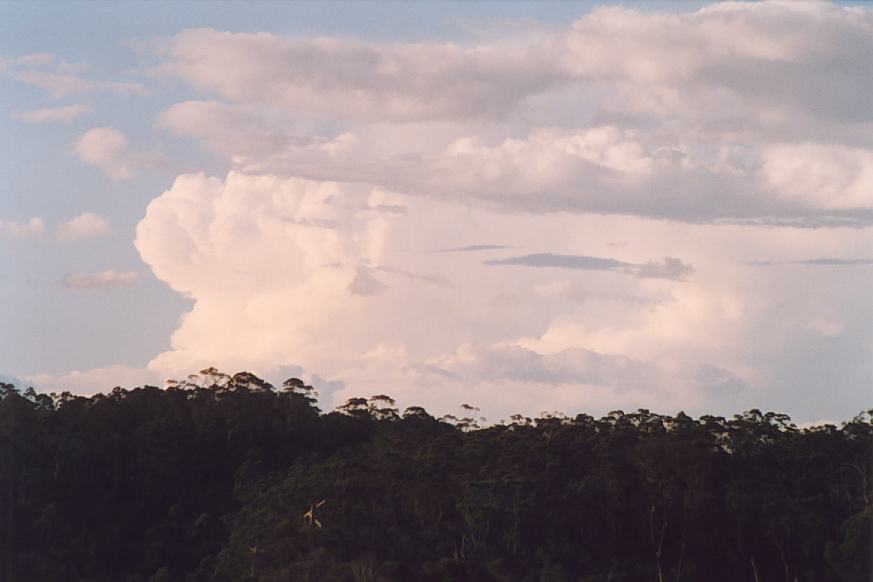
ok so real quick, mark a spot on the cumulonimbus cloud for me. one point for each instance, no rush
(682, 135)
(273, 263)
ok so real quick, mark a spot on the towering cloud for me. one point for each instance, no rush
(702, 139)
(287, 271)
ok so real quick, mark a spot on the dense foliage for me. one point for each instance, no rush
(210, 480)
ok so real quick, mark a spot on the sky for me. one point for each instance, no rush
(527, 207)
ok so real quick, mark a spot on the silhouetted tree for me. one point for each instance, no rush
(211, 479)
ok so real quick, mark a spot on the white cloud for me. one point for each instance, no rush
(85, 226)
(52, 114)
(615, 171)
(286, 271)
(33, 228)
(652, 114)
(103, 279)
(400, 82)
(780, 59)
(240, 133)
(824, 176)
(107, 149)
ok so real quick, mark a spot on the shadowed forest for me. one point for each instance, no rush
(226, 478)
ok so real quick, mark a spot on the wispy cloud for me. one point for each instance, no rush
(52, 114)
(472, 249)
(49, 60)
(36, 59)
(669, 268)
(835, 262)
(101, 280)
(576, 262)
(61, 85)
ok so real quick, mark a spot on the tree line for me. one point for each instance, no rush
(228, 478)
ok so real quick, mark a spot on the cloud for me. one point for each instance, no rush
(669, 268)
(351, 79)
(577, 262)
(590, 374)
(821, 261)
(33, 228)
(790, 54)
(107, 149)
(269, 288)
(472, 248)
(49, 60)
(36, 60)
(824, 176)
(365, 283)
(52, 114)
(836, 262)
(15, 381)
(102, 280)
(710, 135)
(85, 226)
(437, 280)
(103, 379)
(569, 366)
(236, 132)
(784, 45)
(708, 132)
(604, 170)
(61, 85)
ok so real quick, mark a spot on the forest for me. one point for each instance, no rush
(228, 478)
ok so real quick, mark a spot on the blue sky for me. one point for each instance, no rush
(268, 186)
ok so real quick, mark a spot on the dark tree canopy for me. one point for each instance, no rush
(222, 478)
